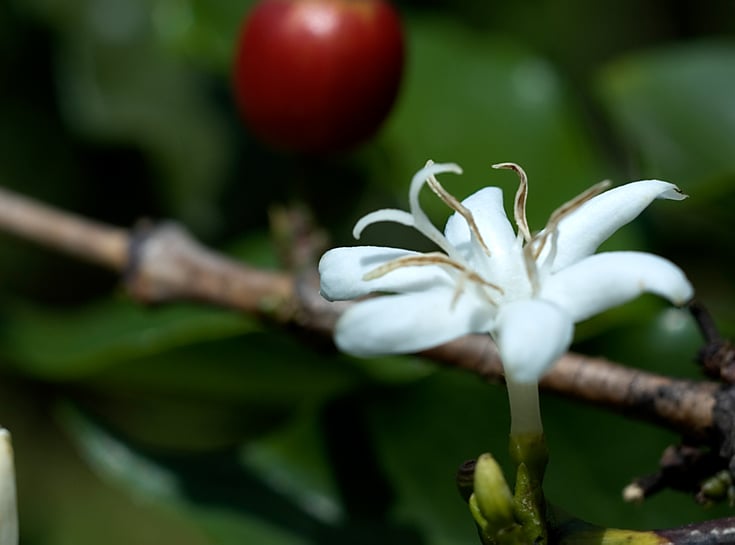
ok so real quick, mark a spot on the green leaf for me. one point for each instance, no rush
(69, 343)
(235, 498)
(267, 367)
(117, 84)
(293, 460)
(201, 30)
(673, 109)
(476, 99)
(660, 339)
(180, 484)
(423, 433)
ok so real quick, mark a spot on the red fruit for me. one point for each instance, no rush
(318, 75)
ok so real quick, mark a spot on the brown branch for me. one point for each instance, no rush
(711, 532)
(684, 406)
(91, 241)
(162, 263)
(165, 264)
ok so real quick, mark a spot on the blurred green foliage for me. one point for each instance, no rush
(193, 426)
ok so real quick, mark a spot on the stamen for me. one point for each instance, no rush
(459, 289)
(519, 206)
(563, 211)
(570, 206)
(452, 202)
(529, 260)
(386, 214)
(457, 292)
(433, 258)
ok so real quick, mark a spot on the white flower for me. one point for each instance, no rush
(526, 290)
(8, 509)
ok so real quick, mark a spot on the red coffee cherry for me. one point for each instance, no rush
(318, 76)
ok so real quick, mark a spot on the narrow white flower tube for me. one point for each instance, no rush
(8, 508)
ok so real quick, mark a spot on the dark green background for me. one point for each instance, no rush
(190, 425)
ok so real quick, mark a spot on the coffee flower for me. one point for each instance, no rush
(527, 290)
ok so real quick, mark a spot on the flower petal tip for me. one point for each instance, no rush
(669, 191)
(675, 194)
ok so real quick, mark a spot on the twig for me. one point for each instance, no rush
(711, 532)
(88, 240)
(165, 264)
(162, 263)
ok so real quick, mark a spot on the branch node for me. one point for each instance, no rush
(717, 356)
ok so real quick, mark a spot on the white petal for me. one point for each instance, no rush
(605, 280)
(400, 324)
(582, 231)
(8, 509)
(531, 335)
(342, 271)
(504, 266)
(487, 210)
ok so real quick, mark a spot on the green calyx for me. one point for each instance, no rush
(530, 450)
(523, 517)
(504, 517)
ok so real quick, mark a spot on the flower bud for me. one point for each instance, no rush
(492, 494)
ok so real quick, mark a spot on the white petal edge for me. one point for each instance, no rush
(8, 506)
(609, 279)
(531, 336)
(342, 272)
(582, 231)
(402, 324)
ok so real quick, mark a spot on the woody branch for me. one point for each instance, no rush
(162, 263)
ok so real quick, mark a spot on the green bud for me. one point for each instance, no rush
(489, 535)
(492, 494)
